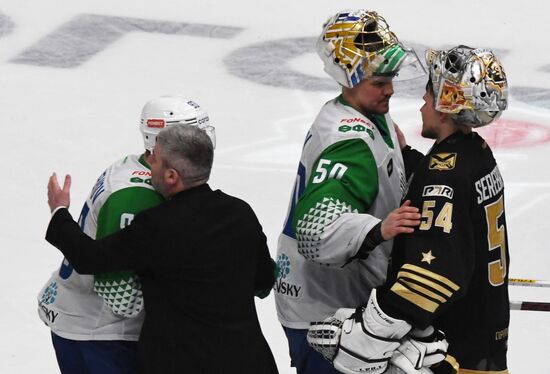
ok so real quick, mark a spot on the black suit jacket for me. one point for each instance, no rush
(200, 256)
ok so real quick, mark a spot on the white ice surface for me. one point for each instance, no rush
(78, 120)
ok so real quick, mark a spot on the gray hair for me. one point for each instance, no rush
(189, 150)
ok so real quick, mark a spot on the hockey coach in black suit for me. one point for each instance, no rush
(201, 256)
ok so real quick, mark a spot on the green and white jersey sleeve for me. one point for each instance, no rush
(343, 183)
(122, 291)
(106, 306)
(350, 177)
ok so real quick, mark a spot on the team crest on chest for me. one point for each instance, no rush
(442, 161)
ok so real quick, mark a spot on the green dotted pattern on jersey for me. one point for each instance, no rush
(313, 223)
(121, 291)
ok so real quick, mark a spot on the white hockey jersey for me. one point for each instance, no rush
(70, 303)
(351, 175)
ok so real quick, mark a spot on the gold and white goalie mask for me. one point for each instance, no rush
(357, 44)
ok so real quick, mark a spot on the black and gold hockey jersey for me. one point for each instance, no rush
(452, 272)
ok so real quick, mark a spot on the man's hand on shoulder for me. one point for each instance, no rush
(402, 220)
(57, 196)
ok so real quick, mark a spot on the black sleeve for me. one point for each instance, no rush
(372, 240)
(126, 249)
(411, 158)
(265, 274)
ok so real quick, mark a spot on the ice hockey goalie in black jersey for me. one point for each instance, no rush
(451, 274)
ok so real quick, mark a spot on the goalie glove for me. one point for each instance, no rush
(362, 342)
(419, 350)
(324, 336)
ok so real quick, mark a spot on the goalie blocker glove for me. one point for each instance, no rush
(360, 341)
(419, 350)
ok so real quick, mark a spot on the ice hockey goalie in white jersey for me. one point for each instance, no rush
(95, 318)
(334, 247)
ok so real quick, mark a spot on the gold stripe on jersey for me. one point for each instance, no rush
(466, 371)
(431, 274)
(422, 287)
(423, 290)
(413, 297)
(405, 274)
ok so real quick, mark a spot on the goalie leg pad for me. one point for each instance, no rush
(362, 343)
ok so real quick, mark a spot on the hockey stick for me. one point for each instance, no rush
(528, 282)
(530, 305)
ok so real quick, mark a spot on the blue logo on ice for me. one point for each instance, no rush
(49, 294)
(283, 266)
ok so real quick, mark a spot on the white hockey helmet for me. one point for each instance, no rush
(169, 110)
(468, 83)
(357, 44)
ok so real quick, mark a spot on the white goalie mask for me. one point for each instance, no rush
(165, 111)
(357, 44)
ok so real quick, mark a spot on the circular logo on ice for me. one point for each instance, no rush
(507, 133)
(49, 294)
(283, 264)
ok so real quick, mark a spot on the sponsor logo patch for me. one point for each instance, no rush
(282, 286)
(438, 190)
(50, 294)
(357, 125)
(193, 104)
(145, 173)
(356, 120)
(48, 313)
(442, 161)
(155, 123)
(202, 121)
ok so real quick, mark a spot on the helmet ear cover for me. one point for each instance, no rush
(168, 110)
(468, 83)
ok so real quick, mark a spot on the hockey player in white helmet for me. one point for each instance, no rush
(345, 207)
(451, 274)
(96, 320)
(168, 110)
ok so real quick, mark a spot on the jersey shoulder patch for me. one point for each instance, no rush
(442, 161)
